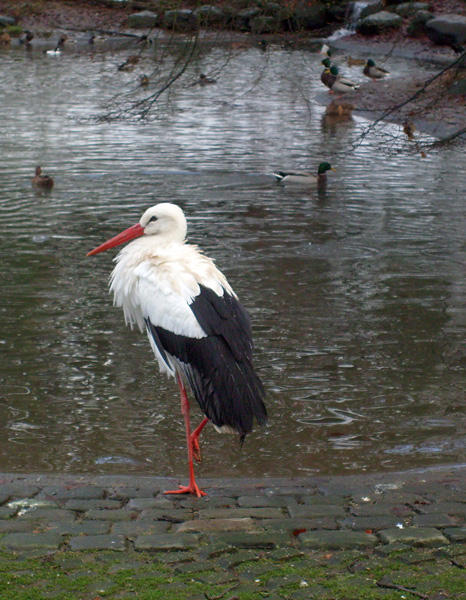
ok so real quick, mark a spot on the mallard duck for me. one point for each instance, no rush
(204, 80)
(337, 59)
(27, 37)
(41, 182)
(373, 71)
(326, 77)
(341, 85)
(409, 129)
(58, 48)
(303, 177)
(129, 63)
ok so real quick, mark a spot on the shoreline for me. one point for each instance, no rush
(426, 474)
(435, 111)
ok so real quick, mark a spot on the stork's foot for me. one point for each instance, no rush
(192, 489)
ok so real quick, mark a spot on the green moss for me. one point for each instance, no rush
(336, 576)
(14, 30)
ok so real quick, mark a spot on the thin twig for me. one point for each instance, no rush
(455, 563)
(450, 138)
(223, 594)
(401, 588)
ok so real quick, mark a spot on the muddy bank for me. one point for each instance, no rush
(434, 107)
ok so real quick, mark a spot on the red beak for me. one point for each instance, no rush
(125, 236)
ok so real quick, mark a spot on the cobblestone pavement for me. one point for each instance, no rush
(239, 520)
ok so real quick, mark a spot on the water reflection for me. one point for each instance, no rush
(356, 292)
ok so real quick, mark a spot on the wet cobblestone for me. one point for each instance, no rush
(321, 513)
(226, 537)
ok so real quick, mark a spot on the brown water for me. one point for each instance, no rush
(357, 294)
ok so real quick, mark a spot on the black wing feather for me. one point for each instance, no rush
(218, 367)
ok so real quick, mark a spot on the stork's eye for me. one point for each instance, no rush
(152, 219)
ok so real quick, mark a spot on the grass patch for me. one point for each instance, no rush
(335, 576)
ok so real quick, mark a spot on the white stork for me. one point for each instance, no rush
(198, 330)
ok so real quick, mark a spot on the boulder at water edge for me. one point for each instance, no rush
(447, 29)
(379, 23)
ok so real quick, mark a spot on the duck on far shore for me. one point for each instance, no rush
(373, 71)
(41, 182)
(304, 177)
(27, 38)
(341, 85)
(337, 59)
(326, 76)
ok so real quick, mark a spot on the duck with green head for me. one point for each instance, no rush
(373, 71)
(341, 85)
(337, 59)
(304, 177)
(326, 77)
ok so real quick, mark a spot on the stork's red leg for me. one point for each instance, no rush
(192, 488)
(195, 439)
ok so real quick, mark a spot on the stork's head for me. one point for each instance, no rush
(163, 220)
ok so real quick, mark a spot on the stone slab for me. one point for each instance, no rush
(372, 510)
(131, 529)
(455, 534)
(83, 505)
(336, 540)
(27, 541)
(210, 525)
(447, 508)
(170, 541)
(437, 520)
(267, 540)
(294, 523)
(172, 515)
(238, 513)
(119, 514)
(46, 514)
(373, 523)
(80, 527)
(414, 536)
(73, 491)
(98, 542)
(13, 525)
(145, 503)
(7, 511)
(316, 510)
(124, 493)
(265, 501)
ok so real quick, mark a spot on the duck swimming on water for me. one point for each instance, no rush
(304, 177)
(58, 48)
(41, 182)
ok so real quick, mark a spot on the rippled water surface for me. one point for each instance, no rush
(356, 293)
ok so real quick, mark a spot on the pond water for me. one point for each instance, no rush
(356, 292)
